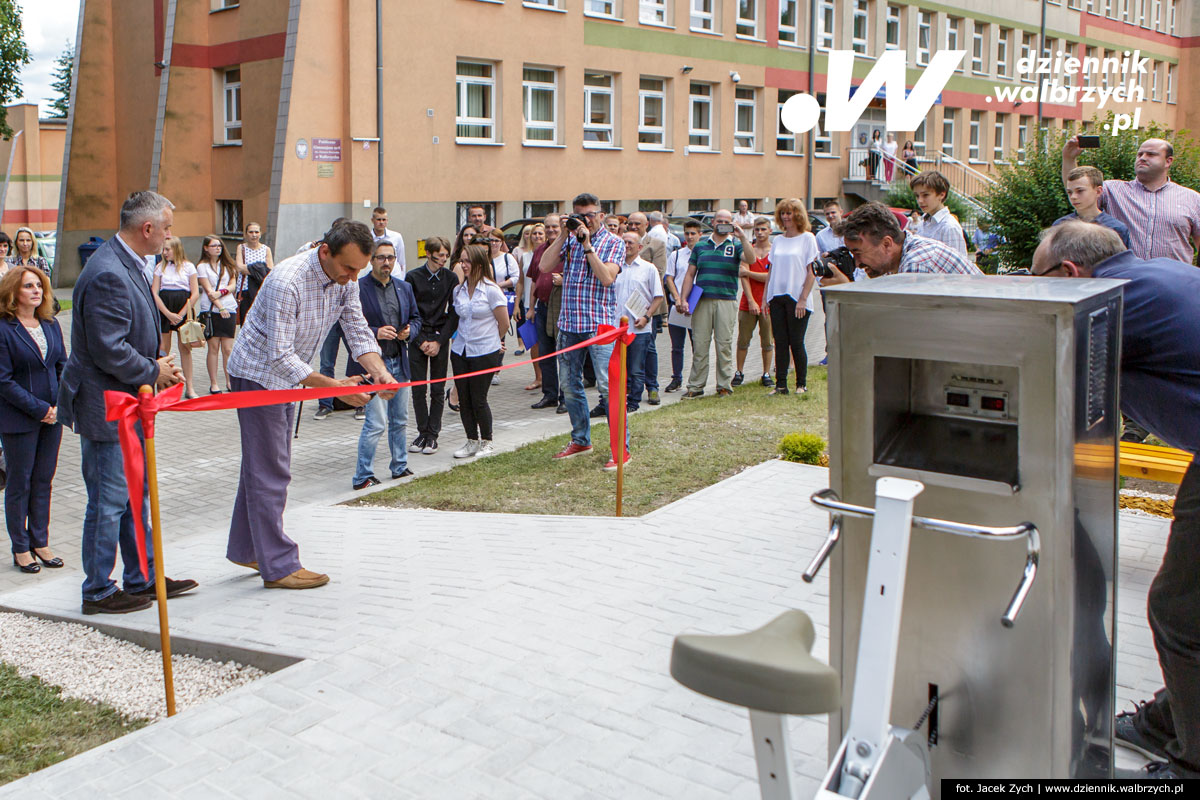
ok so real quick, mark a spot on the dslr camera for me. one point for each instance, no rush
(575, 224)
(840, 259)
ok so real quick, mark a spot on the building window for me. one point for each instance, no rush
(652, 12)
(1142, 16)
(747, 18)
(540, 208)
(704, 16)
(785, 140)
(1089, 56)
(924, 28)
(977, 51)
(542, 3)
(652, 116)
(231, 94)
(540, 86)
(825, 17)
(231, 217)
(1170, 16)
(460, 212)
(1002, 52)
(822, 141)
(600, 8)
(745, 127)
(608, 207)
(701, 206)
(1154, 81)
(700, 129)
(973, 141)
(1156, 19)
(1073, 4)
(221, 5)
(1023, 136)
(476, 109)
(858, 32)
(893, 28)
(1027, 50)
(789, 22)
(953, 37)
(599, 109)
(1170, 83)
(919, 138)
(948, 132)
(998, 148)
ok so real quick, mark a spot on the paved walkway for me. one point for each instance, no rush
(494, 656)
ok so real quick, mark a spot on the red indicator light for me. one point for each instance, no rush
(991, 403)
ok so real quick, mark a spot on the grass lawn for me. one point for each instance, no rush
(38, 727)
(64, 305)
(676, 451)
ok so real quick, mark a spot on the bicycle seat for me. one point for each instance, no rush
(768, 669)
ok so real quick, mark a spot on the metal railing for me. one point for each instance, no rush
(965, 182)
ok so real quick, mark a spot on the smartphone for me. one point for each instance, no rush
(727, 227)
(1089, 141)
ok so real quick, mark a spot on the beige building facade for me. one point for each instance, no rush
(268, 111)
(32, 160)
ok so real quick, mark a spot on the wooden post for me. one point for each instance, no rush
(621, 414)
(160, 581)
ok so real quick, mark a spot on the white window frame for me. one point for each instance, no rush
(709, 133)
(531, 211)
(653, 130)
(704, 16)
(1170, 16)
(1023, 124)
(231, 106)
(782, 132)
(974, 133)
(1073, 4)
(919, 136)
(1156, 15)
(822, 139)
(1028, 48)
(925, 31)
(954, 35)
(861, 23)
(998, 144)
(605, 9)
(1003, 35)
(548, 4)
(1171, 83)
(893, 24)
(746, 141)
(599, 128)
(654, 12)
(1154, 81)
(463, 83)
(949, 124)
(1143, 18)
(977, 51)
(1125, 9)
(790, 34)
(826, 24)
(749, 27)
(227, 209)
(528, 87)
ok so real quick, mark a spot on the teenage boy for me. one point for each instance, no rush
(936, 222)
(1085, 190)
(679, 323)
(751, 311)
(637, 276)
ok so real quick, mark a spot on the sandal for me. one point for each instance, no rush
(534, 385)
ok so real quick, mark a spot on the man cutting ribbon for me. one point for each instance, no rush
(299, 302)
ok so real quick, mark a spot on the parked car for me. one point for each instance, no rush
(46, 245)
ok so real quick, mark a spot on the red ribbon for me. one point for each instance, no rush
(617, 390)
(126, 410)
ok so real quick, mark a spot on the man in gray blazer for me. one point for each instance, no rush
(115, 347)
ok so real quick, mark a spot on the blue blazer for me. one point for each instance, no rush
(409, 315)
(114, 340)
(28, 382)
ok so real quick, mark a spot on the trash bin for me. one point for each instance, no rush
(87, 248)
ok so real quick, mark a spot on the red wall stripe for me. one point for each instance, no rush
(227, 54)
(28, 216)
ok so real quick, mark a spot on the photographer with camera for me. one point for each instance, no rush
(789, 292)
(873, 236)
(591, 258)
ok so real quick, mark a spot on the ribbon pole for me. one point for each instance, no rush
(160, 581)
(622, 418)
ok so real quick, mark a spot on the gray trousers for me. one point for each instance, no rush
(256, 530)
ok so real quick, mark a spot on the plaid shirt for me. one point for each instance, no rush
(587, 303)
(944, 228)
(925, 255)
(293, 312)
(1162, 223)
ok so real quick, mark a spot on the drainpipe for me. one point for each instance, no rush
(1041, 49)
(11, 155)
(812, 66)
(379, 91)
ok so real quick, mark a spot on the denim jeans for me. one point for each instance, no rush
(380, 413)
(108, 523)
(635, 368)
(651, 371)
(679, 335)
(329, 354)
(570, 379)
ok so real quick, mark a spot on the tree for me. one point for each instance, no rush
(13, 55)
(1028, 196)
(64, 66)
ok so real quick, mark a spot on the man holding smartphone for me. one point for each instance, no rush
(1163, 217)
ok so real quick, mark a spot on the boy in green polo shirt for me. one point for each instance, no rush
(714, 266)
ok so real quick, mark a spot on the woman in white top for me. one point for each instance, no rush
(507, 275)
(789, 291)
(176, 290)
(254, 261)
(480, 315)
(889, 157)
(532, 237)
(218, 276)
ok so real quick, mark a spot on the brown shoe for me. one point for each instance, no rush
(300, 579)
(247, 564)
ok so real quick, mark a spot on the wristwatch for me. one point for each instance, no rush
(589, 251)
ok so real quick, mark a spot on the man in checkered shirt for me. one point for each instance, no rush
(298, 303)
(591, 257)
(880, 247)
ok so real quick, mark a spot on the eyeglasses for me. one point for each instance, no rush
(1044, 273)
(388, 259)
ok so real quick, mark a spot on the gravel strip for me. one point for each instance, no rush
(1170, 498)
(91, 666)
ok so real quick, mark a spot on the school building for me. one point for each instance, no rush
(32, 161)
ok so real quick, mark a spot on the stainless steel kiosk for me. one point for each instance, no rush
(1000, 396)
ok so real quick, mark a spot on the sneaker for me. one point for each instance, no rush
(485, 448)
(629, 408)
(674, 385)
(469, 448)
(116, 603)
(370, 480)
(767, 381)
(496, 379)
(652, 397)
(824, 362)
(1154, 771)
(573, 449)
(693, 393)
(611, 466)
(430, 446)
(360, 413)
(724, 392)
(418, 444)
(174, 588)
(322, 412)
(599, 411)
(1127, 735)
(738, 378)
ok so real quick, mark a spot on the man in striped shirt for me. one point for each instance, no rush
(1163, 217)
(873, 236)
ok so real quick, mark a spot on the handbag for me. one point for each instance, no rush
(191, 333)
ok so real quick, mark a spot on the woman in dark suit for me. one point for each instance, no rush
(32, 357)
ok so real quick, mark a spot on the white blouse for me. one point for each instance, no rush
(39, 338)
(177, 277)
(478, 333)
(505, 268)
(228, 301)
(790, 258)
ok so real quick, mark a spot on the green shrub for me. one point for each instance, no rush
(802, 448)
